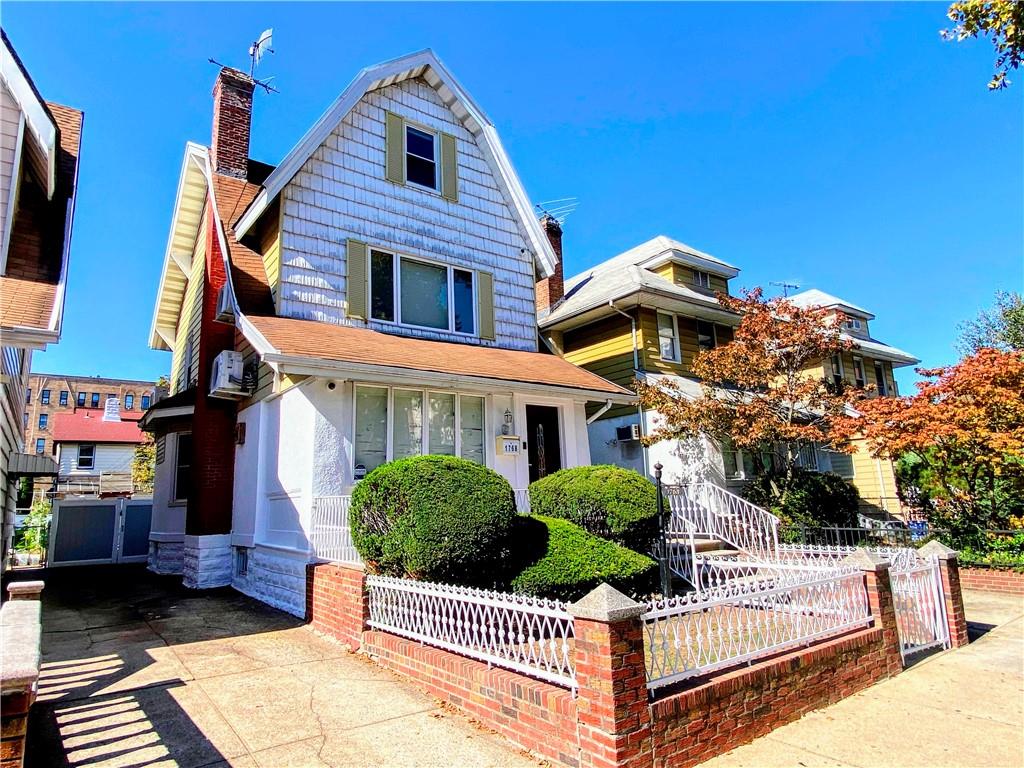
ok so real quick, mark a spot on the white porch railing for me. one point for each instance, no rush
(526, 634)
(696, 634)
(522, 500)
(330, 536)
(714, 511)
(900, 558)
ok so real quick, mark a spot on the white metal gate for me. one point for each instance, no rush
(920, 608)
(99, 531)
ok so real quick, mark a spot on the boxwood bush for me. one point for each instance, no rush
(816, 499)
(436, 518)
(558, 559)
(608, 501)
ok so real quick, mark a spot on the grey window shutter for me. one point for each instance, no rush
(356, 258)
(395, 148)
(449, 168)
(485, 295)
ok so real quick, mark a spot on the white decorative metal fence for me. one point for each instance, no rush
(920, 607)
(696, 634)
(330, 536)
(526, 634)
(900, 558)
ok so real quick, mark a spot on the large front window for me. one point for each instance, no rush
(422, 422)
(421, 293)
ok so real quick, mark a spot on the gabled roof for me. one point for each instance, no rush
(325, 346)
(39, 120)
(816, 298)
(88, 426)
(628, 275)
(35, 267)
(424, 64)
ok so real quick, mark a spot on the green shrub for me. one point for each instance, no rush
(437, 518)
(608, 501)
(996, 550)
(558, 559)
(815, 499)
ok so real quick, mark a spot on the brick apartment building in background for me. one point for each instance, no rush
(53, 399)
(48, 394)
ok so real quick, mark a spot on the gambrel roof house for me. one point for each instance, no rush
(373, 296)
(39, 149)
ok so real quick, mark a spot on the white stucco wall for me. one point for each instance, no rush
(605, 448)
(246, 492)
(341, 192)
(286, 461)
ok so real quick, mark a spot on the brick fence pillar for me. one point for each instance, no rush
(25, 590)
(614, 716)
(880, 601)
(949, 569)
(336, 601)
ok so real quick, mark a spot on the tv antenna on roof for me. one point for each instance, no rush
(558, 210)
(257, 50)
(785, 287)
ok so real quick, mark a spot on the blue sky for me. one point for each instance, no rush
(840, 146)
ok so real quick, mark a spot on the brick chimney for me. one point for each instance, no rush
(549, 290)
(232, 118)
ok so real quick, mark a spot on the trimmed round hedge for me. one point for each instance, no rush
(557, 559)
(436, 518)
(608, 501)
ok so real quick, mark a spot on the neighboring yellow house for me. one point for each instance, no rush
(869, 364)
(647, 312)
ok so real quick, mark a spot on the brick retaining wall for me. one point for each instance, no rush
(737, 707)
(992, 580)
(532, 714)
(609, 721)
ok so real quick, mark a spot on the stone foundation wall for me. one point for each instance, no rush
(207, 561)
(166, 557)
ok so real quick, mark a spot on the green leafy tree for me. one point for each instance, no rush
(144, 466)
(35, 532)
(1000, 20)
(1000, 327)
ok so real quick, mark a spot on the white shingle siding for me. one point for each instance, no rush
(10, 116)
(341, 193)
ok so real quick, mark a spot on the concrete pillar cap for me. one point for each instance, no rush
(607, 604)
(866, 560)
(936, 548)
(25, 590)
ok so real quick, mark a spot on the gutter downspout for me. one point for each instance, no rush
(636, 367)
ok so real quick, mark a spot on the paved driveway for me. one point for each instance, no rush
(962, 708)
(138, 671)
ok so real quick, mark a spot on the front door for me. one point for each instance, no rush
(544, 444)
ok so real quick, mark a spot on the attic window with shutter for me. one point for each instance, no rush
(420, 157)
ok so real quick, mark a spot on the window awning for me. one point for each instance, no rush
(31, 465)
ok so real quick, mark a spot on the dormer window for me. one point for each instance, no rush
(853, 324)
(702, 279)
(420, 157)
(421, 294)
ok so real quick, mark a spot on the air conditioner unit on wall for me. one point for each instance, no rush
(225, 309)
(226, 377)
(627, 433)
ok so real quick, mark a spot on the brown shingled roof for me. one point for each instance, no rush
(28, 290)
(325, 341)
(248, 274)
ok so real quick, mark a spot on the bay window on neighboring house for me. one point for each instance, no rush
(836, 364)
(858, 372)
(668, 337)
(421, 422)
(706, 336)
(422, 294)
(883, 390)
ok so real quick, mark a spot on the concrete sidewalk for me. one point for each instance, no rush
(962, 708)
(139, 671)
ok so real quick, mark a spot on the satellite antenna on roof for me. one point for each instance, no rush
(558, 210)
(259, 48)
(785, 287)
